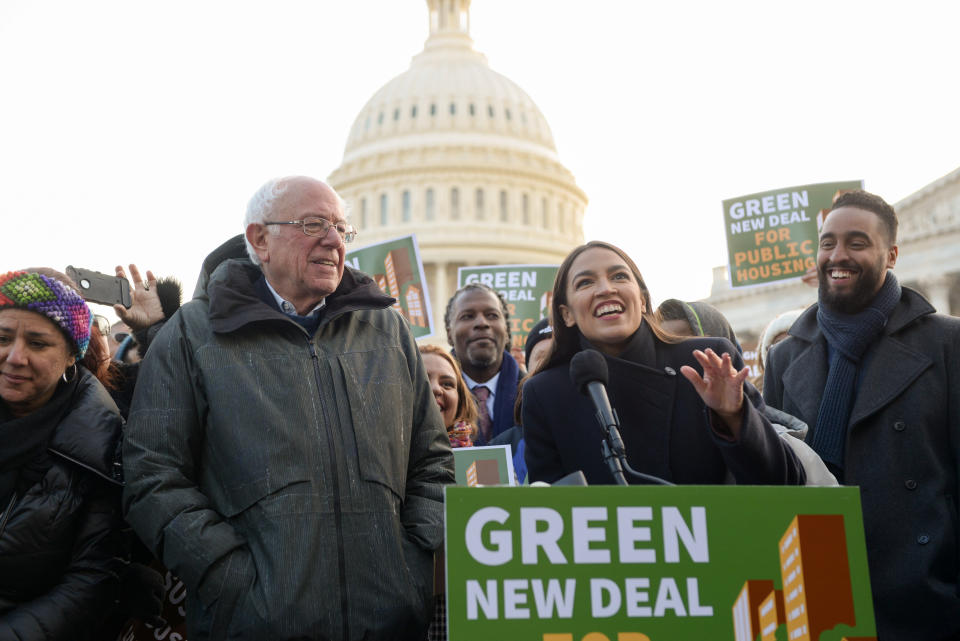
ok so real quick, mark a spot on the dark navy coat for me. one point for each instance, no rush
(666, 427)
(902, 449)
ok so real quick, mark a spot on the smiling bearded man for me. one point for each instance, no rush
(282, 431)
(874, 372)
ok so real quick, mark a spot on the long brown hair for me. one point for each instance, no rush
(566, 340)
(466, 408)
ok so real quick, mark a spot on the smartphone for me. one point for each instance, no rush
(96, 287)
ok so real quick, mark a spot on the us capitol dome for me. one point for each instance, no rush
(459, 155)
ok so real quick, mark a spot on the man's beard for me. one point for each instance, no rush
(482, 358)
(869, 282)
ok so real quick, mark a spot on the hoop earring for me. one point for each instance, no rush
(72, 376)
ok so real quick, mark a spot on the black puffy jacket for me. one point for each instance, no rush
(58, 540)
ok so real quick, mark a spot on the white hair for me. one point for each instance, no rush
(263, 203)
(260, 208)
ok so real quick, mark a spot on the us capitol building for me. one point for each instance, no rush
(459, 155)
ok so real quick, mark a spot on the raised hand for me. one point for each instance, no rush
(720, 387)
(146, 309)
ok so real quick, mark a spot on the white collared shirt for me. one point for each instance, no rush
(287, 307)
(490, 385)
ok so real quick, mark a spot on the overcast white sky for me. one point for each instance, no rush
(136, 131)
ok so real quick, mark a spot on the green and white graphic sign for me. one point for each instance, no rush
(396, 267)
(686, 563)
(527, 289)
(484, 465)
(772, 236)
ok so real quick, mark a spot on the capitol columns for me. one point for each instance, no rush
(937, 289)
(440, 280)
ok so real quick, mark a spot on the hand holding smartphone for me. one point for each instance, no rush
(97, 287)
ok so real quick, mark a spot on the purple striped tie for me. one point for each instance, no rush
(482, 393)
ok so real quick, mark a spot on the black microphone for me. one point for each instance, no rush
(588, 372)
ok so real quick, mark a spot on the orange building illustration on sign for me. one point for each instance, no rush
(816, 576)
(399, 271)
(771, 615)
(746, 622)
(483, 472)
(416, 307)
(816, 594)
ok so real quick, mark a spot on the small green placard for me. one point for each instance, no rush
(684, 563)
(772, 236)
(396, 268)
(484, 465)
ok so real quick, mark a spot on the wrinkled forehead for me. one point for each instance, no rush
(30, 322)
(305, 197)
(478, 300)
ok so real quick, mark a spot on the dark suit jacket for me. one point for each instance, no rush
(665, 426)
(902, 449)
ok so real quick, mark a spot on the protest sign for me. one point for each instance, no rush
(772, 235)
(527, 289)
(396, 268)
(484, 465)
(682, 563)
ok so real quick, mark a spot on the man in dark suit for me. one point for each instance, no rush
(478, 329)
(875, 373)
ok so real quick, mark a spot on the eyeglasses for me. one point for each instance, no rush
(316, 226)
(102, 323)
(120, 336)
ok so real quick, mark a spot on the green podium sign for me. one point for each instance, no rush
(686, 563)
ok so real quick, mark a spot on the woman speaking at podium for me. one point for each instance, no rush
(685, 413)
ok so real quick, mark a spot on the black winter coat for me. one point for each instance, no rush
(902, 449)
(666, 427)
(58, 542)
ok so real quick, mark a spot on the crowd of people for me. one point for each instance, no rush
(280, 442)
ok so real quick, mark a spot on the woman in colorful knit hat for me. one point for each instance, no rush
(59, 484)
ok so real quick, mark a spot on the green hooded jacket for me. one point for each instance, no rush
(294, 483)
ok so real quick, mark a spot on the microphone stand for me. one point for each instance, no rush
(613, 462)
(615, 455)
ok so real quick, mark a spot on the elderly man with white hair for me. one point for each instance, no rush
(284, 454)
